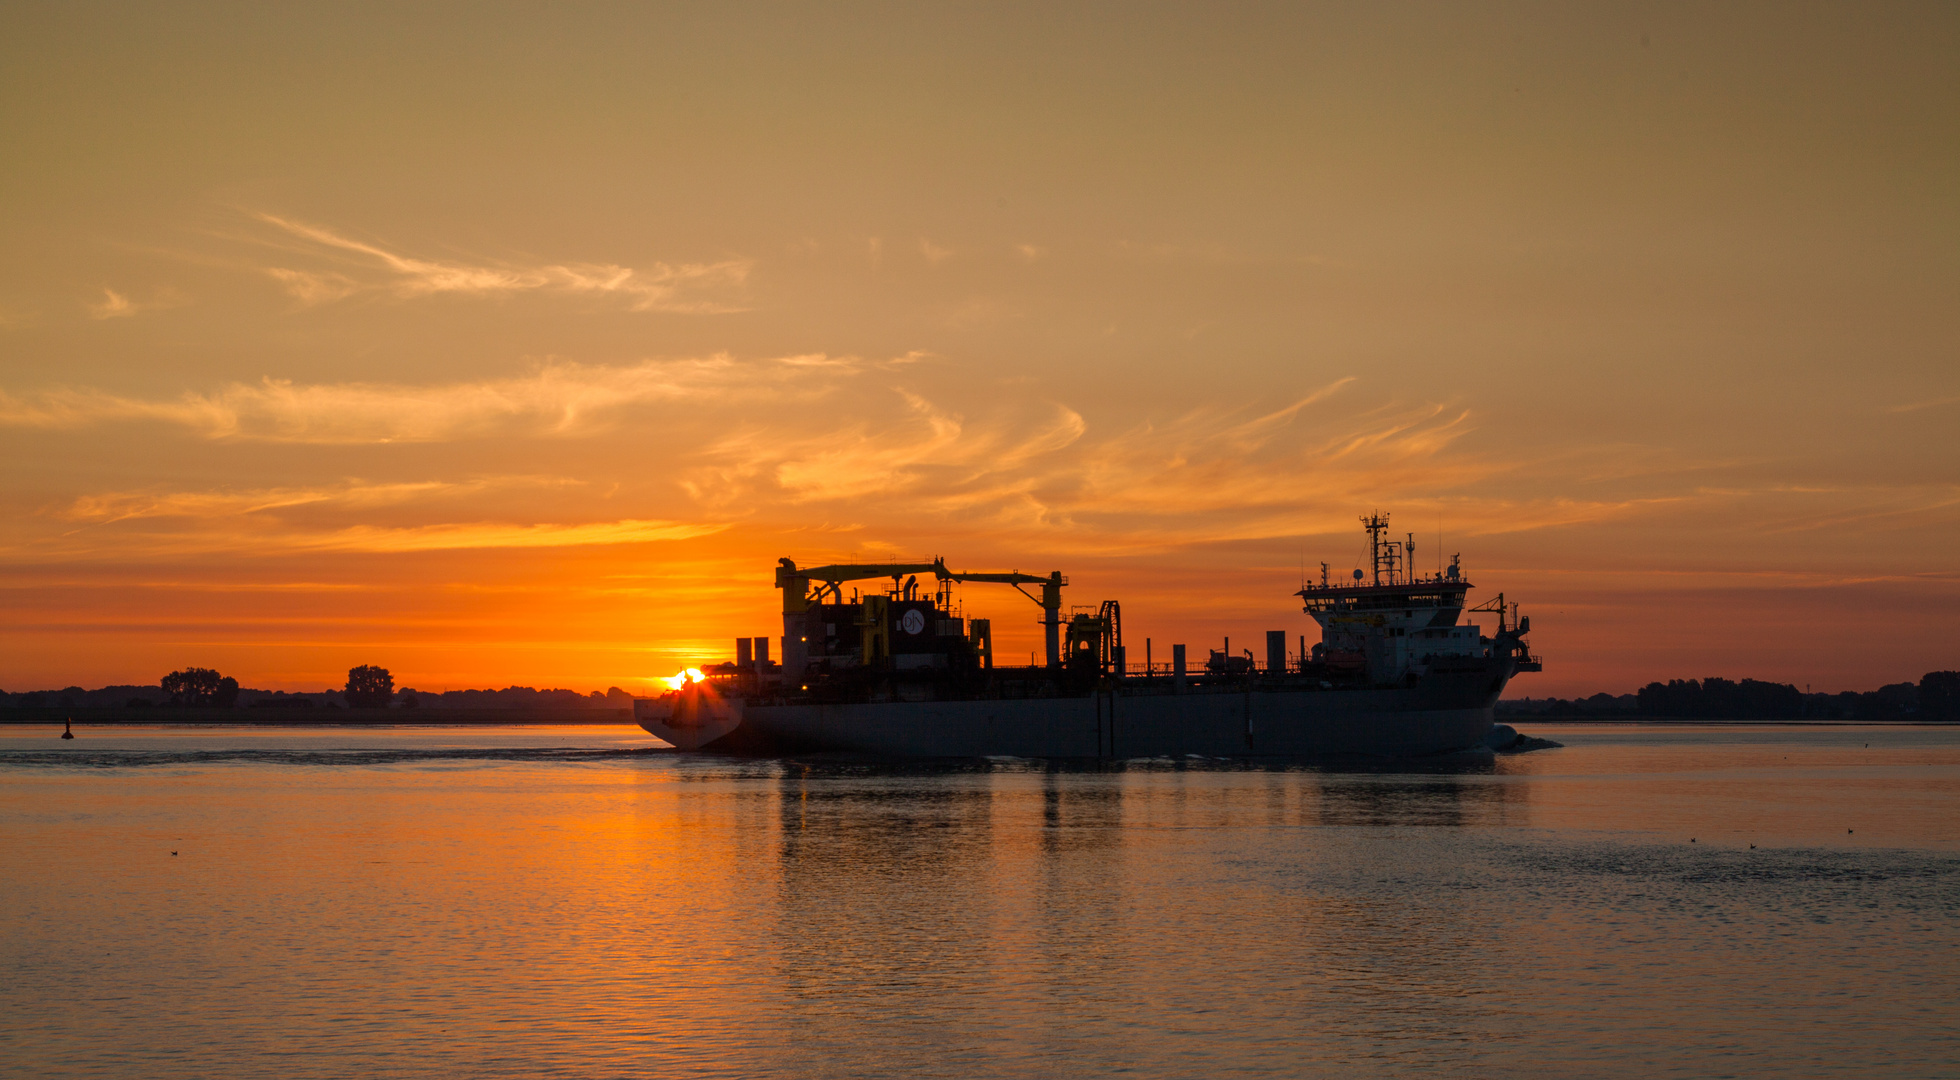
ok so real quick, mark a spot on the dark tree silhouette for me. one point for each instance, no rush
(369, 687)
(1721, 699)
(200, 686)
(1939, 695)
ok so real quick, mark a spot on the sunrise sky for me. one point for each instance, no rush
(514, 343)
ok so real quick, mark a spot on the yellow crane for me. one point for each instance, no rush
(795, 582)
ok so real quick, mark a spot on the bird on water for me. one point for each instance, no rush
(68, 729)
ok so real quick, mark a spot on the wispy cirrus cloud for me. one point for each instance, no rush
(361, 266)
(111, 507)
(894, 449)
(347, 516)
(555, 398)
(311, 287)
(454, 537)
(347, 495)
(899, 443)
(1039, 473)
(1933, 403)
(924, 446)
(1035, 465)
(275, 538)
(115, 305)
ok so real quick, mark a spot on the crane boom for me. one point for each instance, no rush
(795, 583)
(1050, 601)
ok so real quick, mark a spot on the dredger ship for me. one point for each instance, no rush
(898, 671)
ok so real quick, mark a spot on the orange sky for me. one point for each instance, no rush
(516, 346)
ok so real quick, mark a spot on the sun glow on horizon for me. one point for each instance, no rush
(680, 679)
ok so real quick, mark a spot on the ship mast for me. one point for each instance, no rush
(1377, 524)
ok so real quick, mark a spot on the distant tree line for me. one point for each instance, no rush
(516, 697)
(1935, 697)
(368, 686)
(1720, 699)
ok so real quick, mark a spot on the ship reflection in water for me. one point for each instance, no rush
(542, 902)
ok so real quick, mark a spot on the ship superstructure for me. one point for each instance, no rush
(1393, 625)
(897, 669)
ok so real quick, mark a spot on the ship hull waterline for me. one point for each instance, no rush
(1211, 721)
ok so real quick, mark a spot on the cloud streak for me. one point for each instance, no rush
(895, 446)
(926, 446)
(1915, 406)
(274, 538)
(351, 516)
(699, 288)
(115, 305)
(555, 399)
(1038, 471)
(454, 537)
(1041, 475)
(110, 507)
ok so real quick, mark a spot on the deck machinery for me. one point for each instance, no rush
(896, 669)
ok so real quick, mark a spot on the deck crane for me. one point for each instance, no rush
(1050, 601)
(795, 583)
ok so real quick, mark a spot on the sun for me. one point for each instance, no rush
(686, 675)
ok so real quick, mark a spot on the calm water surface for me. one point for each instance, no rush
(570, 902)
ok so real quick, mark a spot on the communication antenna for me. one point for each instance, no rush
(1377, 524)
